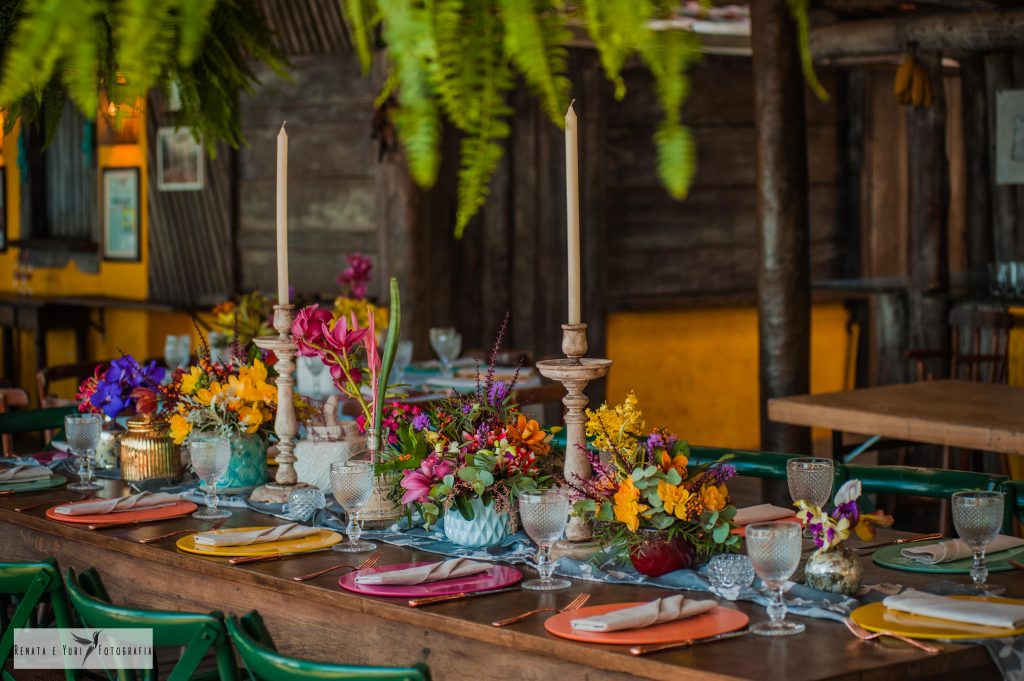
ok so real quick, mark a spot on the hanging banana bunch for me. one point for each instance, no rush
(912, 86)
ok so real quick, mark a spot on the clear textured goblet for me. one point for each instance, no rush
(447, 343)
(352, 484)
(774, 550)
(978, 517)
(83, 433)
(810, 479)
(544, 515)
(210, 457)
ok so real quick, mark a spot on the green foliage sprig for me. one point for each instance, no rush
(52, 50)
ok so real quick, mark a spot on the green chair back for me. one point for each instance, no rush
(264, 663)
(50, 420)
(32, 584)
(196, 633)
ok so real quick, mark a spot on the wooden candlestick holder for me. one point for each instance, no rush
(574, 372)
(285, 426)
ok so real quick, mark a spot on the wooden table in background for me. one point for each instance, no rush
(318, 620)
(965, 414)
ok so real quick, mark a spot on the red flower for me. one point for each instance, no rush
(145, 400)
(308, 328)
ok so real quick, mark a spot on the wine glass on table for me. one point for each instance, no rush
(978, 517)
(83, 434)
(210, 457)
(774, 551)
(544, 515)
(403, 357)
(447, 343)
(810, 480)
(352, 484)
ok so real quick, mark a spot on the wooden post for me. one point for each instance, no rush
(979, 179)
(928, 248)
(784, 291)
(999, 76)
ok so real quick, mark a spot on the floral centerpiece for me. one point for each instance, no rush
(662, 512)
(467, 458)
(833, 567)
(239, 321)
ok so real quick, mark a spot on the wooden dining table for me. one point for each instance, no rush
(967, 414)
(318, 620)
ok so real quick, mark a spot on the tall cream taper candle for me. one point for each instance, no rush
(282, 217)
(572, 207)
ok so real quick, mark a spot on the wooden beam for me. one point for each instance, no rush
(784, 290)
(947, 32)
(978, 177)
(928, 251)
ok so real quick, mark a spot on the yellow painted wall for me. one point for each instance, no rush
(137, 332)
(696, 371)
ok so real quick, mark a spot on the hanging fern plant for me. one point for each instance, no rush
(52, 50)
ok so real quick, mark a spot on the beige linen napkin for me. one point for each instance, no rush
(279, 533)
(955, 549)
(640, 616)
(987, 613)
(24, 473)
(434, 572)
(135, 502)
(762, 513)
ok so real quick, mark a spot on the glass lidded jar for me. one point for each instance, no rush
(148, 452)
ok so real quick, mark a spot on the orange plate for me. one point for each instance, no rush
(717, 621)
(742, 531)
(180, 508)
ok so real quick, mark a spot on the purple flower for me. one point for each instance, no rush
(497, 393)
(467, 408)
(421, 422)
(655, 440)
(113, 392)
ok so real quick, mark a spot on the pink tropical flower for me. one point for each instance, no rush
(356, 276)
(308, 329)
(417, 483)
(340, 337)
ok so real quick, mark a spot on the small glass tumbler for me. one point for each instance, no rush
(352, 484)
(729, 573)
(83, 432)
(544, 515)
(303, 503)
(978, 517)
(774, 550)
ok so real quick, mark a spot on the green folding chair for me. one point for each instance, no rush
(264, 663)
(34, 420)
(197, 634)
(30, 585)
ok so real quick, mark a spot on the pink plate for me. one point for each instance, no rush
(497, 577)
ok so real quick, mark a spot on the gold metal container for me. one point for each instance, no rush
(147, 451)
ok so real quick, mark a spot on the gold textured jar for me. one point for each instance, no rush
(147, 451)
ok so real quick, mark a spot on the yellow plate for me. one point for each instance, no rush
(312, 542)
(876, 617)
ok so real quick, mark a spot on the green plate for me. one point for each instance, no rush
(54, 481)
(891, 557)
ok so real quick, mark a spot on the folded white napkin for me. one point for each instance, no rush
(955, 549)
(987, 613)
(434, 572)
(762, 513)
(24, 473)
(135, 502)
(279, 533)
(640, 616)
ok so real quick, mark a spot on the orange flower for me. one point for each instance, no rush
(528, 433)
(673, 499)
(627, 506)
(865, 527)
(714, 497)
(679, 462)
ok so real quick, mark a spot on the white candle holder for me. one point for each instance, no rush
(286, 427)
(574, 372)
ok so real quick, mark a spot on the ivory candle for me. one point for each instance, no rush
(572, 208)
(282, 217)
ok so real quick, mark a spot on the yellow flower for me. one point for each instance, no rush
(615, 427)
(627, 507)
(673, 499)
(714, 497)
(190, 381)
(865, 527)
(206, 395)
(250, 419)
(180, 428)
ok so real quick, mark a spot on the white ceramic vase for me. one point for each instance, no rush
(313, 457)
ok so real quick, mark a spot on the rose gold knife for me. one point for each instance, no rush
(416, 602)
(902, 540)
(644, 650)
(243, 560)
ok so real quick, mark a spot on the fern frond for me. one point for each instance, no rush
(535, 40)
(677, 158)
(618, 29)
(194, 16)
(448, 66)
(798, 9)
(362, 19)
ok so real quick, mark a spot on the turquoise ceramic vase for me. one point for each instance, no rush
(248, 467)
(487, 528)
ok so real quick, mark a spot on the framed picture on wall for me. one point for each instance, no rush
(179, 160)
(1009, 146)
(121, 214)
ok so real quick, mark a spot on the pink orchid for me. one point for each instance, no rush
(340, 338)
(418, 482)
(308, 329)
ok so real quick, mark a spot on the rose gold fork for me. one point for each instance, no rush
(368, 563)
(865, 635)
(574, 604)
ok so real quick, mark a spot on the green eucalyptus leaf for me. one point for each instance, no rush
(673, 477)
(465, 508)
(720, 533)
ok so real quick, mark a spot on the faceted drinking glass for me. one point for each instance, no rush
(303, 503)
(403, 357)
(774, 550)
(978, 517)
(352, 484)
(810, 480)
(83, 434)
(447, 343)
(729, 573)
(544, 515)
(210, 456)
